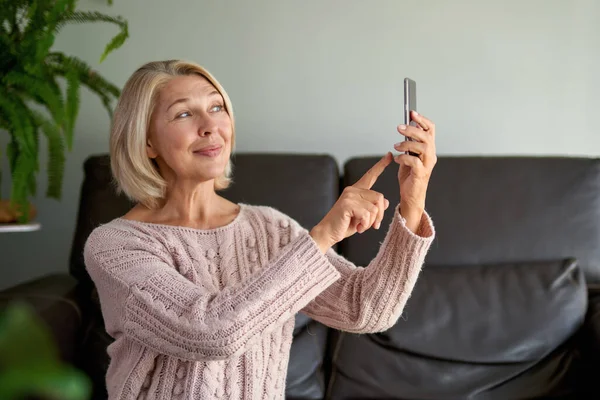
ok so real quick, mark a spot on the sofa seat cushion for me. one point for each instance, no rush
(478, 332)
(306, 375)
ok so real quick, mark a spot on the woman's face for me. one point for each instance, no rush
(190, 130)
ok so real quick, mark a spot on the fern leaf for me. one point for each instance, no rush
(24, 169)
(43, 45)
(97, 83)
(33, 16)
(19, 116)
(62, 64)
(39, 90)
(115, 43)
(72, 105)
(56, 155)
(58, 12)
(42, 19)
(12, 150)
(7, 52)
(95, 16)
(107, 103)
(21, 150)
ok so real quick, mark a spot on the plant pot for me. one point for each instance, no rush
(10, 214)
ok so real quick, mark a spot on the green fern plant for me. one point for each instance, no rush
(31, 99)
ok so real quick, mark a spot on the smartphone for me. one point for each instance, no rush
(410, 104)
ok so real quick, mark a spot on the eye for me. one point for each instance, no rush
(218, 107)
(183, 114)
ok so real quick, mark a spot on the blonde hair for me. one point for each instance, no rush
(134, 172)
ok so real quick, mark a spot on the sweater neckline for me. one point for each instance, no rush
(227, 226)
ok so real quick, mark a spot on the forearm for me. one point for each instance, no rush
(413, 215)
(371, 299)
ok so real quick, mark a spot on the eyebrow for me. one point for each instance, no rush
(184, 99)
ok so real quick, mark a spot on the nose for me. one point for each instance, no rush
(207, 125)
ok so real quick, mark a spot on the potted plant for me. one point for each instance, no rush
(31, 100)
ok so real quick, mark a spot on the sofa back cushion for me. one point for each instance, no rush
(500, 209)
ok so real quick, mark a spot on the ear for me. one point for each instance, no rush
(150, 151)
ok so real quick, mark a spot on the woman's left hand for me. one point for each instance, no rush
(415, 171)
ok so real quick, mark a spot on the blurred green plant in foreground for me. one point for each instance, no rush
(29, 360)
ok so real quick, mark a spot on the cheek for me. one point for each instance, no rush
(168, 148)
(226, 131)
(177, 136)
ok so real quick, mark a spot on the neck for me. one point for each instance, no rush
(191, 203)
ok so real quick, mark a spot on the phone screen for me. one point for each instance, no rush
(410, 104)
(410, 100)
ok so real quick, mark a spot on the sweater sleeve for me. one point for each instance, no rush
(143, 297)
(371, 299)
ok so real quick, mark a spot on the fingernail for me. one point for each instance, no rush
(377, 225)
(402, 127)
(397, 144)
(416, 113)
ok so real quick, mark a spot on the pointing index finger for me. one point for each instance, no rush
(370, 177)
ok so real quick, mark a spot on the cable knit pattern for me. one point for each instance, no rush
(209, 314)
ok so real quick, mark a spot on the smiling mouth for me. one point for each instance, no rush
(209, 152)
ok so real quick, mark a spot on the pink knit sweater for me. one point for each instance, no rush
(209, 314)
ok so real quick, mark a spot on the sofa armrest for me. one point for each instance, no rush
(54, 299)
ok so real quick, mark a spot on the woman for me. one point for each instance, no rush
(200, 293)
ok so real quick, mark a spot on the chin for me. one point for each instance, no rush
(210, 173)
(207, 168)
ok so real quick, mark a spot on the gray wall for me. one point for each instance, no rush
(498, 77)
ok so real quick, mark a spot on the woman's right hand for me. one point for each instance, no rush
(359, 208)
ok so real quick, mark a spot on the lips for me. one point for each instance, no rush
(207, 148)
(210, 151)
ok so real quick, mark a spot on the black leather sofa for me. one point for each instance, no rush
(506, 307)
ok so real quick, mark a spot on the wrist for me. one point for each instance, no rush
(321, 238)
(412, 215)
(411, 208)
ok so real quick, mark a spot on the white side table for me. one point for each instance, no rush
(29, 227)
